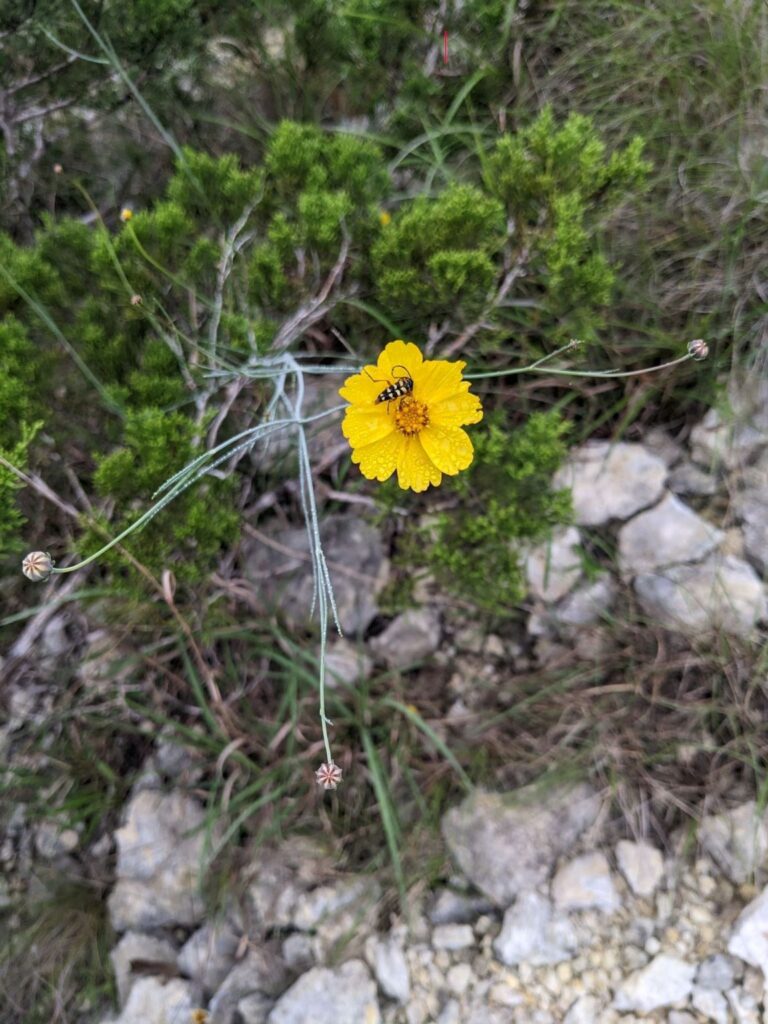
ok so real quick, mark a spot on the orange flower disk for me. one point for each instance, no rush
(418, 434)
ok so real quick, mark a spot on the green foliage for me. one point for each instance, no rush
(556, 183)
(196, 526)
(438, 252)
(11, 518)
(505, 497)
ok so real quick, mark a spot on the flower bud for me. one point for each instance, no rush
(328, 775)
(37, 566)
(699, 349)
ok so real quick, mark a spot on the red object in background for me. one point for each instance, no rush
(445, 46)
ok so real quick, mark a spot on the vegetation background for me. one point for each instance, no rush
(312, 178)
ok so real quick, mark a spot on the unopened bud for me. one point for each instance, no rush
(699, 349)
(37, 566)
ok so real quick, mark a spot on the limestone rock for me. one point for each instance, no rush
(585, 882)
(666, 980)
(409, 638)
(667, 534)
(752, 508)
(749, 938)
(138, 946)
(261, 972)
(641, 864)
(508, 843)
(554, 567)
(534, 933)
(387, 960)
(737, 840)
(722, 593)
(342, 995)
(611, 481)
(208, 955)
(160, 1001)
(159, 856)
(282, 573)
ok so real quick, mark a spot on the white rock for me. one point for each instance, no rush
(409, 638)
(346, 664)
(453, 936)
(138, 946)
(554, 567)
(718, 594)
(459, 978)
(583, 1011)
(737, 840)
(716, 972)
(752, 508)
(159, 858)
(585, 882)
(388, 963)
(711, 1004)
(327, 901)
(641, 864)
(533, 933)
(667, 534)
(588, 604)
(342, 995)
(690, 479)
(507, 843)
(715, 440)
(160, 1001)
(208, 955)
(749, 938)
(611, 481)
(743, 1006)
(665, 981)
(260, 971)
(52, 840)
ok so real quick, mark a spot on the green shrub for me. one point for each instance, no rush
(505, 498)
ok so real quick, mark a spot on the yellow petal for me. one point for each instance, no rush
(379, 460)
(448, 447)
(415, 470)
(363, 425)
(456, 411)
(399, 359)
(361, 388)
(437, 379)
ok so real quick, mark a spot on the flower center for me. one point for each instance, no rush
(411, 416)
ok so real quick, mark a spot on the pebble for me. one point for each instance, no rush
(453, 936)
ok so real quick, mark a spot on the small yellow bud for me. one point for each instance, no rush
(125, 214)
(385, 218)
(37, 566)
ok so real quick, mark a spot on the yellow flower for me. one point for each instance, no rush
(418, 432)
(125, 214)
(385, 218)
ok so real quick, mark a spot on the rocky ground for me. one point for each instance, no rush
(546, 919)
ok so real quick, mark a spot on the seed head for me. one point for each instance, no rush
(37, 566)
(699, 349)
(135, 300)
(57, 169)
(328, 775)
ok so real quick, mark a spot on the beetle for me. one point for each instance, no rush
(398, 388)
